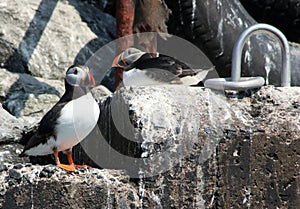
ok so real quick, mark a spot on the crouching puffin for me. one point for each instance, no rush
(69, 121)
(142, 68)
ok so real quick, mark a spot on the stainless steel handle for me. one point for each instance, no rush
(236, 82)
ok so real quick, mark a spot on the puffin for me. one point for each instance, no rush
(69, 121)
(142, 69)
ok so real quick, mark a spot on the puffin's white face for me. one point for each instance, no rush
(80, 76)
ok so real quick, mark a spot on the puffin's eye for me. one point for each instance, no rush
(75, 72)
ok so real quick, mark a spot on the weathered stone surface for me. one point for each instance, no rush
(200, 149)
(50, 187)
(195, 148)
(10, 131)
(11, 58)
(10, 127)
(46, 37)
(205, 150)
(100, 91)
(25, 95)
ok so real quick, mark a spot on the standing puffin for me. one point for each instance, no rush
(69, 121)
(142, 69)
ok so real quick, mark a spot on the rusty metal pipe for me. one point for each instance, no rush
(124, 18)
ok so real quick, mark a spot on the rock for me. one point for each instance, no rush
(26, 95)
(48, 169)
(11, 58)
(7, 81)
(184, 147)
(3, 168)
(10, 127)
(107, 6)
(43, 38)
(101, 91)
(18, 166)
(43, 174)
(14, 174)
(195, 148)
(63, 190)
(9, 152)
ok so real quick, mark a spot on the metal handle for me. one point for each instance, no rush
(227, 83)
(239, 45)
(236, 82)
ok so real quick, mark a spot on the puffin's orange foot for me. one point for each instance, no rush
(67, 167)
(82, 166)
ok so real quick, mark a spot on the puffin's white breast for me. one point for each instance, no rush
(136, 77)
(78, 118)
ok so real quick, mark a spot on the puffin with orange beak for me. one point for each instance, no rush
(143, 69)
(69, 121)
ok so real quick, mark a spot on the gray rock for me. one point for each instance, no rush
(48, 169)
(11, 57)
(26, 95)
(7, 81)
(101, 91)
(18, 166)
(63, 190)
(144, 121)
(195, 148)
(14, 174)
(11, 129)
(9, 151)
(10, 126)
(3, 168)
(44, 37)
(183, 147)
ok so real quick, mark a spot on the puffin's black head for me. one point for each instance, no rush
(78, 75)
(127, 57)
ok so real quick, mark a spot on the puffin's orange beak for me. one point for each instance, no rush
(115, 63)
(92, 80)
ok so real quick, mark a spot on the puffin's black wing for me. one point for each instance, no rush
(46, 127)
(27, 133)
(161, 75)
(163, 62)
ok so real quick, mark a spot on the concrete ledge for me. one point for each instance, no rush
(195, 148)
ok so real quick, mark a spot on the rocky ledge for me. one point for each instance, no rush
(174, 147)
(33, 186)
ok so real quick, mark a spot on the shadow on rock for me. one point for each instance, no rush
(26, 86)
